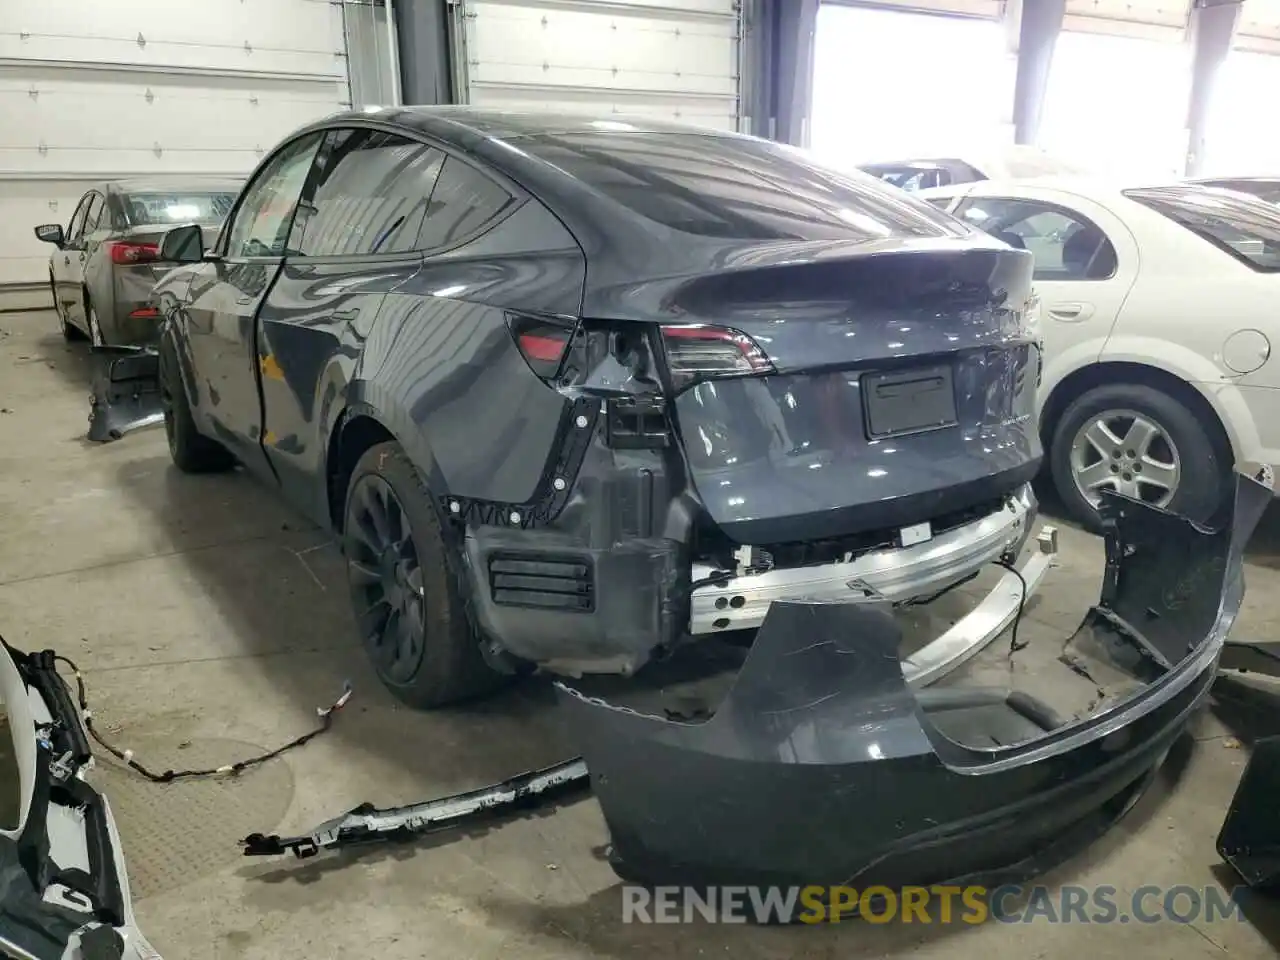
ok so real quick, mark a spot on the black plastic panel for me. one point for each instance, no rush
(909, 401)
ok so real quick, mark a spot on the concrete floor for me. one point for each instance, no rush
(210, 623)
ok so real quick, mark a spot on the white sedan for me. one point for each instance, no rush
(1160, 309)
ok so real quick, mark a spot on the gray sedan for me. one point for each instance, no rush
(108, 257)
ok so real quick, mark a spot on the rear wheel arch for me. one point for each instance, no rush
(1107, 373)
(355, 431)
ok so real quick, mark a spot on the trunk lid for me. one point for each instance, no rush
(902, 387)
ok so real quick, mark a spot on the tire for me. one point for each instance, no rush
(404, 583)
(192, 451)
(1200, 484)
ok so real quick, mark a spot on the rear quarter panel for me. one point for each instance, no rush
(440, 369)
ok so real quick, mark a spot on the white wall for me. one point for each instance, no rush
(676, 59)
(99, 89)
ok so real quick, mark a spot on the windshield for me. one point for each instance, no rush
(1247, 229)
(734, 188)
(184, 206)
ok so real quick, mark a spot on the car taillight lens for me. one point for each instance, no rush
(542, 343)
(705, 351)
(126, 253)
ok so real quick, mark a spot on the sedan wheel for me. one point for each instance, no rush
(1124, 451)
(1141, 442)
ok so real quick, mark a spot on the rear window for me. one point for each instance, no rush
(1268, 190)
(1247, 229)
(737, 189)
(184, 206)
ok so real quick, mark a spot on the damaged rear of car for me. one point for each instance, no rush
(64, 893)
(785, 383)
(573, 392)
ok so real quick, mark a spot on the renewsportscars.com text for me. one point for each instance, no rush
(1012, 903)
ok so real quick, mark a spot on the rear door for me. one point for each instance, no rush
(1086, 261)
(226, 293)
(354, 240)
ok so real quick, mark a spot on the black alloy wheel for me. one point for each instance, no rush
(387, 583)
(408, 587)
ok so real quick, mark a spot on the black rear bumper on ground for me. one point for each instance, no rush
(821, 766)
(126, 391)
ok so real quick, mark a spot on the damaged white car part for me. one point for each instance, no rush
(776, 787)
(64, 893)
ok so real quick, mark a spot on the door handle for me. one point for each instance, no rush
(66, 261)
(346, 316)
(1071, 312)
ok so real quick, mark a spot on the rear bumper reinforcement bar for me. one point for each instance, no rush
(896, 574)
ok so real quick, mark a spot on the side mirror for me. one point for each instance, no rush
(50, 233)
(183, 244)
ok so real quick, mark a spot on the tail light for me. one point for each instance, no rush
(542, 342)
(703, 352)
(126, 253)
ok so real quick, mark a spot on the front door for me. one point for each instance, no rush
(66, 262)
(224, 299)
(78, 252)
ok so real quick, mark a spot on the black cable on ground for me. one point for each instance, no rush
(169, 776)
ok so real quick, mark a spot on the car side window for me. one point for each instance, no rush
(463, 203)
(75, 228)
(93, 218)
(1067, 245)
(371, 192)
(265, 215)
(940, 202)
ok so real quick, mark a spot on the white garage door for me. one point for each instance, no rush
(952, 94)
(663, 58)
(93, 90)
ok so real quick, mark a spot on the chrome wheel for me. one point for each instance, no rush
(1127, 452)
(386, 580)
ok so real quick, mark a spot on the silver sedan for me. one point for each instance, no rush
(108, 256)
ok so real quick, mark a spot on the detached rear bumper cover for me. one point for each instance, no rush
(823, 766)
(64, 894)
(126, 392)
